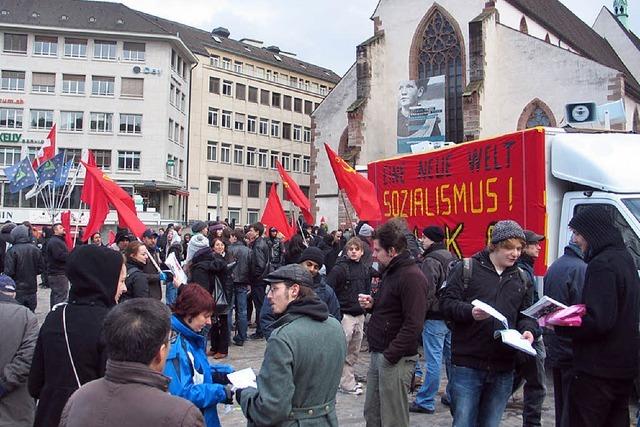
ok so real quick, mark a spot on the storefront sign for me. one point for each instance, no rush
(11, 101)
(10, 137)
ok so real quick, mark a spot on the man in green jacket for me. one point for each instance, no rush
(300, 374)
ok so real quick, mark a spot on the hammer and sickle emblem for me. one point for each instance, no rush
(345, 165)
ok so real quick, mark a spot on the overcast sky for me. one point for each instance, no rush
(321, 32)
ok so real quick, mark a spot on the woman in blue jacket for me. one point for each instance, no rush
(192, 377)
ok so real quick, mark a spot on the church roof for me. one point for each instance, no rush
(577, 34)
(634, 39)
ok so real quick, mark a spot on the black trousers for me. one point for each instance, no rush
(257, 295)
(599, 402)
(219, 334)
(561, 383)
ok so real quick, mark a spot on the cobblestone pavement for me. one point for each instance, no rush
(350, 408)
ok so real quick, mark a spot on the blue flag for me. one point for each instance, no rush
(63, 173)
(50, 169)
(20, 175)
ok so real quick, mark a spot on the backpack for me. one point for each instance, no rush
(447, 260)
(468, 266)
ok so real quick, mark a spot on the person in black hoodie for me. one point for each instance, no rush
(137, 281)
(481, 365)
(398, 311)
(56, 255)
(60, 367)
(605, 346)
(5, 241)
(23, 262)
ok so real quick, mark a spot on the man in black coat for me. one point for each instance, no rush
(56, 254)
(605, 346)
(261, 268)
(23, 262)
(241, 282)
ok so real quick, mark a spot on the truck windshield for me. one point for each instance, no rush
(634, 207)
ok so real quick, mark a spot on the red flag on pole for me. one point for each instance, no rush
(361, 191)
(48, 149)
(87, 188)
(296, 195)
(105, 192)
(274, 215)
(65, 220)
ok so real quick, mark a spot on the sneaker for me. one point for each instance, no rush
(256, 336)
(238, 342)
(359, 385)
(355, 392)
(414, 407)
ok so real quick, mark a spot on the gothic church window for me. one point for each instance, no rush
(523, 26)
(536, 113)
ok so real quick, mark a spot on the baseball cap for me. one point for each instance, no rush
(7, 284)
(149, 233)
(531, 237)
(291, 273)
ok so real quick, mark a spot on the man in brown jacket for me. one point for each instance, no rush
(133, 391)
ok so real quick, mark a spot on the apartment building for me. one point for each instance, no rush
(113, 81)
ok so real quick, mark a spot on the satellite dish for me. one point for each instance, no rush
(136, 69)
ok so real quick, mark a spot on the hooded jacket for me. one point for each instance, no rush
(56, 253)
(606, 344)
(186, 356)
(198, 241)
(348, 279)
(301, 370)
(398, 310)
(473, 344)
(23, 262)
(93, 272)
(563, 282)
(137, 281)
(206, 266)
(5, 240)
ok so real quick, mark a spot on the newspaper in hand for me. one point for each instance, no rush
(510, 337)
(546, 305)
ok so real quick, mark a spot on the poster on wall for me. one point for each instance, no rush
(420, 114)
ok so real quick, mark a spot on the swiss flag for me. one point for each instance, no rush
(48, 149)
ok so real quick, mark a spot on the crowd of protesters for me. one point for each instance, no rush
(113, 338)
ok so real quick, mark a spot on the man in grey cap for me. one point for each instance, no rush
(302, 363)
(481, 365)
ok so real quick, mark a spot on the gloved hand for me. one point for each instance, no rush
(238, 393)
(220, 378)
(162, 276)
(229, 394)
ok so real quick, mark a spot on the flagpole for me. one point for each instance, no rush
(344, 202)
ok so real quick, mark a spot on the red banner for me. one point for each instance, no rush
(468, 188)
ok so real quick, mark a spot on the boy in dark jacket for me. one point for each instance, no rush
(23, 262)
(481, 365)
(243, 257)
(605, 346)
(57, 252)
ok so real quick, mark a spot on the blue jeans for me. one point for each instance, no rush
(170, 293)
(436, 342)
(478, 397)
(240, 297)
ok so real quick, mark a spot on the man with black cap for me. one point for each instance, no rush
(436, 336)
(481, 365)
(122, 241)
(56, 255)
(149, 238)
(605, 346)
(300, 373)
(530, 370)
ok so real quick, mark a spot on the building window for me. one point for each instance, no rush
(248, 68)
(262, 158)
(286, 161)
(237, 67)
(241, 91)
(226, 63)
(182, 135)
(171, 165)
(72, 155)
(297, 105)
(274, 159)
(73, 84)
(128, 160)
(251, 124)
(133, 51)
(15, 43)
(260, 72)
(265, 97)
(183, 102)
(253, 189)
(170, 135)
(213, 186)
(286, 131)
(104, 49)
(234, 187)
(172, 94)
(440, 53)
(71, 121)
(131, 123)
(43, 82)
(323, 90)
(253, 94)
(234, 215)
(238, 154)
(41, 119)
(275, 99)
(212, 117)
(103, 158)
(524, 28)
(297, 133)
(214, 61)
(9, 156)
(251, 156)
(11, 118)
(45, 46)
(131, 87)
(308, 107)
(296, 163)
(306, 164)
(253, 216)
(293, 81)
(176, 132)
(239, 124)
(214, 85)
(12, 80)
(227, 87)
(225, 153)
(75, 48)
(102, 86)
(226, 119)
(212, 151)
(307, 134)
(275, 129)
(264, 126)
(286, 102)
(101, 122)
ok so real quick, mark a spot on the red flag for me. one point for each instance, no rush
(105, 193)
(112, 237)
(295, 194)
(361, 191)
(274, 215)
(65, 220)
(48, 149)
(87, 188)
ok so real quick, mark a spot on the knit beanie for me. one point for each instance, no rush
(198, 226)
(312, 254)
(434, 233)
(595, 225)
(506, 229)
(366, 230)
